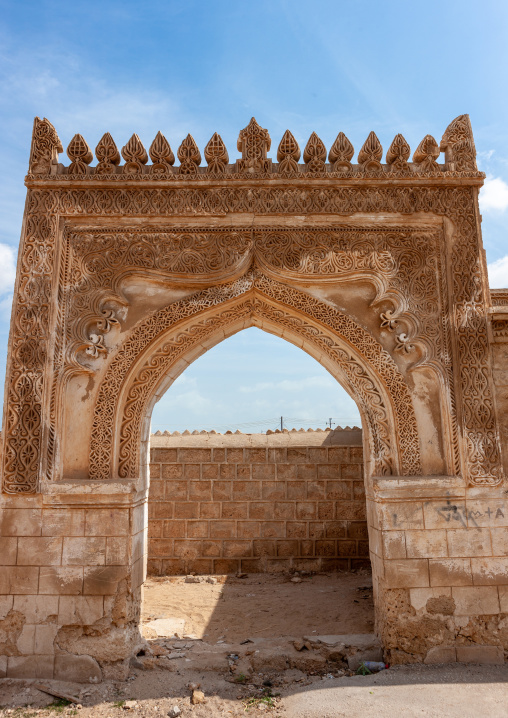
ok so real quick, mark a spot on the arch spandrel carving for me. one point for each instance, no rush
(450, 282)
(370, 372)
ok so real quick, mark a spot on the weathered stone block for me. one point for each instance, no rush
(475, 600)
(61, 580)
(84, 551)
(469, 542)
(480, 654)
(450, 572)
(490, 571)
(30, 666)
(441, 654)
(77, 669)
(407, 573)
(426, 543)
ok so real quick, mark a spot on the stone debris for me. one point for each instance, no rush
(167, 627)
(129, 705)
(174, 712)
(197, 697)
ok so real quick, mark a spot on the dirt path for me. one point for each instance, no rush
(264, 606)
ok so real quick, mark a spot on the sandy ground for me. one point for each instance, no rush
(264, 606)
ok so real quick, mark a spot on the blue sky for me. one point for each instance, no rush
(202, 66)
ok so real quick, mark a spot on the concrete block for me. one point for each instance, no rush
(480, 654)
(6, 603)
(475, 600)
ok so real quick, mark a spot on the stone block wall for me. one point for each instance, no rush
(222, 504)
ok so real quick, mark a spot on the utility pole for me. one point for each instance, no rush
(282, 423)
(330, 422)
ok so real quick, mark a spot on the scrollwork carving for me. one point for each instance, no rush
(398, 155)
(425, 156)
(45, 148)
(458, 145)
(370, 155)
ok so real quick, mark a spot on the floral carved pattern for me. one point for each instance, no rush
(314, 323)
(29, 396)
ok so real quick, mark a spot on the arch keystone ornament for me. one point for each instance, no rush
(128, 272)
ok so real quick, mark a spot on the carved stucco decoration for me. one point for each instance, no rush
(332, 331)
(449, 191)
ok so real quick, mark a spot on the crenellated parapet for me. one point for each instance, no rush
(254, 143)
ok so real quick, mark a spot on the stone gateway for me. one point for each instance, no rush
(127, 273)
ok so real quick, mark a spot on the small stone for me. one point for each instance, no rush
(211, 580)
(299, 645)
(194, 686)
(174, 711)
(197, 697)
(194, 579)
(129, 705)
(296, 579)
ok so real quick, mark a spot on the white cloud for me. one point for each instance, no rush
(7, 268)
(494, 195)
(498, 273)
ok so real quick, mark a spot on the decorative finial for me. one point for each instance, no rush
(135, 156)
(398, 155)
(458, 146)
(189, 156)
(107, 154)
(341, 153)
(45, 149)
(161, 155)
(254, 142)
(216, 155)
(80, 155)
(288, 155)
(314, 154)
